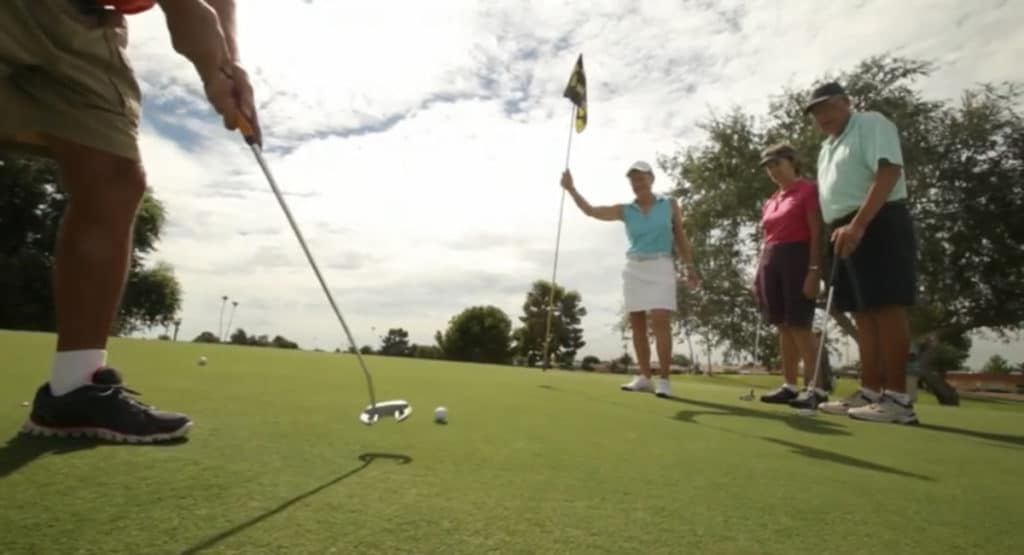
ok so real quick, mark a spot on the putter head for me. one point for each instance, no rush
(399, 410)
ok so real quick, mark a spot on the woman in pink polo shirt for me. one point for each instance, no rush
(789, 272)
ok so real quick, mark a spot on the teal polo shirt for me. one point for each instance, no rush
(847, 164)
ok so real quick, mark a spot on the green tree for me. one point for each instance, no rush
(239, 337)
(964, 162)
(950, 353)
(396, 343)
(426, 351)
(152, 297)
(206, 337)
(282, 342)
(566, 333)
(997, 365)
(589, 361)
(31, 206)
(366, 350)
(477, 334)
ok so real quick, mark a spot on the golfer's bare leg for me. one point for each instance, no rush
(894, 332)
(94, 242)
(790, 357)
(803, 339)
(638, 323)
(662, 322)
(869, 342)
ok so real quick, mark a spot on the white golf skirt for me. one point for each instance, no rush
(649, 284)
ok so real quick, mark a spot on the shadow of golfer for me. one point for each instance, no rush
(366, 458)
(803, 423)
(21, 450)
(990, 436)
(823, 455)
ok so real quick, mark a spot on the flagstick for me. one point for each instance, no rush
(558, 240)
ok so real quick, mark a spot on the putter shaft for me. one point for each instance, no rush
(309, 256)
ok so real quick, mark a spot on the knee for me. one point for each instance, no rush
(107, 186)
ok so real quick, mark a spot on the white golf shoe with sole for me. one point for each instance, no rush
(842, 407)
(639, 383)
(887, 410)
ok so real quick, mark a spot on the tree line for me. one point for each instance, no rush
(485, 333)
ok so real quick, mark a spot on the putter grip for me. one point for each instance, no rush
(244, 126)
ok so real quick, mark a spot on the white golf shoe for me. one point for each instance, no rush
(639, 383)
(663, 388)
(841, 407)
(886, 410)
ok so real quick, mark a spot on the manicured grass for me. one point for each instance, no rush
(530, 462)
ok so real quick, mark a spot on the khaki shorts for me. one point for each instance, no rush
(65, 73)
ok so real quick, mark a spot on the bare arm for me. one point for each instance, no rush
(226, 14)
(197, 34)
(885, 180)
(683, 247)
(204, 32)
(604, 213)
(848, 237)
(815, 224)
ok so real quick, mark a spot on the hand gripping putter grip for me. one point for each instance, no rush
(397, 409)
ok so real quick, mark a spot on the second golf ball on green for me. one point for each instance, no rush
(441, 415)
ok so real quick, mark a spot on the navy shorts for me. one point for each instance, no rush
(780, 280)
(881, 271)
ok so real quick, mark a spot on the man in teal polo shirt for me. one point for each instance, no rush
(863, 196)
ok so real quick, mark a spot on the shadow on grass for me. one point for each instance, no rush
(1002, 438)
(21, 450)
(992, 400)
(366, 458)
(846, 460)
(810, 424)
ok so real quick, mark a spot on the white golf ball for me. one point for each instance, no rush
(441, 414)
(24, 403)
(202, 361)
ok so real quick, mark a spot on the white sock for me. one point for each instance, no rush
(821, 392)
(871, 394)
(901, 398)
(791, 387)
(73, 369)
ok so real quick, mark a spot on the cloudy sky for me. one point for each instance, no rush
(420, 143)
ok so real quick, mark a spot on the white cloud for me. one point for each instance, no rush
(424, 140)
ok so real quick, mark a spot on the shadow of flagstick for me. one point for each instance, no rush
(366, 458)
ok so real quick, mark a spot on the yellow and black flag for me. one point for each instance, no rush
(576, 91)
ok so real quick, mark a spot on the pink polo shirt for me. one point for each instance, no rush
(784, 215)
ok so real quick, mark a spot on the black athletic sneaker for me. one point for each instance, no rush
(779, 396)
(103, 409)
(808, 399)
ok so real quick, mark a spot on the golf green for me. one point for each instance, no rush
(530, 462)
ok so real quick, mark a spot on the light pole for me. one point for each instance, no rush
(220, 326)
(231, 318)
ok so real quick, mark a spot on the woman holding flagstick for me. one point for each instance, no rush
(654, 226)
